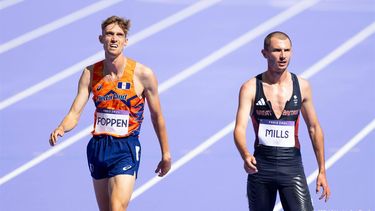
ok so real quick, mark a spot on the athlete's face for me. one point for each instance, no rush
(113, 40)
(278, 54)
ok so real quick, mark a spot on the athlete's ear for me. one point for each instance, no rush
(126, 42)
(264, 53)
(101, 39)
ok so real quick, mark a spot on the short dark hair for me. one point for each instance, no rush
(278, 34)
(123, 23)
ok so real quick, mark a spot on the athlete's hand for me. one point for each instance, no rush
(59, 131)
(321, 181)
(250, 165)
(163, 167)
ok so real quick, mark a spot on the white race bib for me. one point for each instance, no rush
(277, 133)
(112, 121)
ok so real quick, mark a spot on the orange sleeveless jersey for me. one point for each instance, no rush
(116, 97)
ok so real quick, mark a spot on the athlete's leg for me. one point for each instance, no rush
(120, 188)
(101, 193)
(261, 186)
(261, 196)
(295, 195)
(293, 189)
(98, 171)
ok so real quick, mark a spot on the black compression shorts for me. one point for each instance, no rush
(279, 169)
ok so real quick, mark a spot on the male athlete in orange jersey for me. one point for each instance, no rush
(120, 87)
(274, 100)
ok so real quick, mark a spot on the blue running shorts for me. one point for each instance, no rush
(108, 156)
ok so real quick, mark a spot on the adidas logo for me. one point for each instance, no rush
(261, 102)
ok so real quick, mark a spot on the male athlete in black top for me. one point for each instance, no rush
(274, 100)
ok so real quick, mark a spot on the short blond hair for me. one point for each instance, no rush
(123, 23)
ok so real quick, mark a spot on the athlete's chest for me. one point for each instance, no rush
(278, 95)
(107, 86)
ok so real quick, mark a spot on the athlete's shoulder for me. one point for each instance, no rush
(305, 88)
(303, 83)
(249, 84)
(142, 71)
(95, 65)
(90, 68)
(248, 89)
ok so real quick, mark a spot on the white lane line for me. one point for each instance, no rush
(173, 19)
(45, 29)
(185, 159)
(239, 42)
(156, 179)
(247, 37)
(234, 45)
(180, 77)
(345, 149)
(7, 3)
(45, 155)
(339, 154)
(352, 42)
(153, 29)
(40, 31)
(85, 132)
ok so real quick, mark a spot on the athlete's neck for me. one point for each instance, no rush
(115, 65)
(275, 77)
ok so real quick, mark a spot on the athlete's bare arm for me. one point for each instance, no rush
(246, 100)
(149, 83)
(316, 136)
(71, 119)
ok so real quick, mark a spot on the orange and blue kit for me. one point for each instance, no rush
(115, 148)
(119, 110)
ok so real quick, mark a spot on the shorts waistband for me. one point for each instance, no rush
(277, 152)
(106, 137)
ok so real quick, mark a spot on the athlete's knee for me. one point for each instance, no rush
(119, 205)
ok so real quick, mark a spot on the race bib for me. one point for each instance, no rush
(277, 133)
(112, 122)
